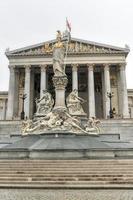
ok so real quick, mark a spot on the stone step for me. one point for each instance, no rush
(66, 173)
(78, 170)
(67, 165)
(67, 161)
(76, 179)
(66, 168)
(66, 182)
(70, 186)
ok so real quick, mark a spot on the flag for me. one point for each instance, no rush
(68, 25)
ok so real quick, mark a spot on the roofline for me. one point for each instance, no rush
(101, 44)
(28, 47)
(126, 50)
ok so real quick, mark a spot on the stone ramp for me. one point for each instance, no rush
(67, 174)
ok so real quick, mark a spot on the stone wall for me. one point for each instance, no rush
(3, 104)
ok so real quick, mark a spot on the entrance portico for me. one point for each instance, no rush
(93, 72)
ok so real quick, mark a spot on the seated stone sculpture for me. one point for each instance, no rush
(74, 104)
(44, 104)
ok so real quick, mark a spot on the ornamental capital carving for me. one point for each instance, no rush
(75, 67)
(60, 82)
(122, 66)
(90, 67)
(11, 68)
(106, 66)
(43, 67)
(27, 68)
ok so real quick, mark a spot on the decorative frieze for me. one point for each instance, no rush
(73, 47)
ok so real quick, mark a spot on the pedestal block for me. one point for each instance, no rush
(60, 83)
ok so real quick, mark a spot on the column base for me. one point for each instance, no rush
(125, 116)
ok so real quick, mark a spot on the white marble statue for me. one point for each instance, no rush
(74, 103)
(93, 125)
(60, 120)
(58, 56)
(44, 104)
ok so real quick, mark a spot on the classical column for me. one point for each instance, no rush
(124, 97)
(11, 94)
(91, 93)
(74, 76)
(43, 79)
(32, 77)
(4, 109)
(16, 95)
(107, 89)
(27, 91)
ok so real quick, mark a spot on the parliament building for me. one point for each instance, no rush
(94, 69)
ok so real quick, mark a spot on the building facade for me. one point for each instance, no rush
(93, 69)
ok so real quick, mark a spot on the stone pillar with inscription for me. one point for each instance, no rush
(27, 91)
(74, 76)
(43, 79)
(124, 97)
(11, 94)
(107, 89)
(91, 93)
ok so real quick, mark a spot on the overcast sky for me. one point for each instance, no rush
(27, 22)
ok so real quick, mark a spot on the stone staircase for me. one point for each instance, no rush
(66, 174)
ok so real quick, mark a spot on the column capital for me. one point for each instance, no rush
(43, 67)
(27, 68)
(90, 67)
(106, 66)
(11, 68)
(75, 67)
(122, 66)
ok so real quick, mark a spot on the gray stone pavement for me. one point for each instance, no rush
(37, 194)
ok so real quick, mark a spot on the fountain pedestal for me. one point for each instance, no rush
(60, 83)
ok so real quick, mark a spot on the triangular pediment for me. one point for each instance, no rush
(76, 46)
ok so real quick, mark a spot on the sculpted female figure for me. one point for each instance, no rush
(58, 56)
(74, 103)
(44, 104)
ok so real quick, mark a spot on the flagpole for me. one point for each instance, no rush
(66, 23)
(66, 46)
(66, 53)
(67, 41)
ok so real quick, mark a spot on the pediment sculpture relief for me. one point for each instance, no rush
(73, 47)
